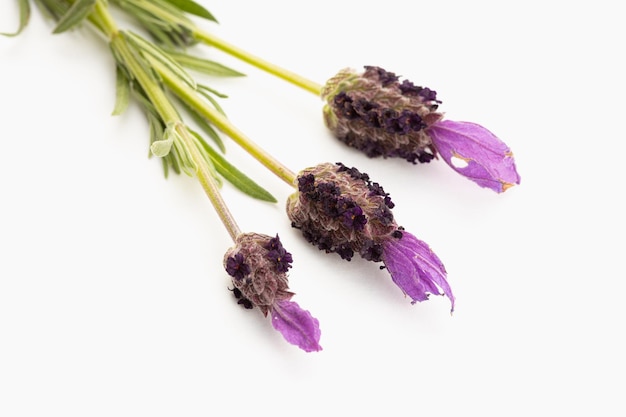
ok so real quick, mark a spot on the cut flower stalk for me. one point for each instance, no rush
(376, 114)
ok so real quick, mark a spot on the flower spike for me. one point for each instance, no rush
(340, 210)
(381, 116)
(258, 265)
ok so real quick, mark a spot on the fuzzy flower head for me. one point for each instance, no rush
(340, 210)
(380, 115)
(258, 265)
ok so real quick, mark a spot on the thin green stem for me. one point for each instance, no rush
(260, 63)
(103, 20)
(195, 101)
(154, 92)
(209, 185)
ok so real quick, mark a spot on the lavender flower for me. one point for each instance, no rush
(258, 265)
(381, 116)
(340, 210)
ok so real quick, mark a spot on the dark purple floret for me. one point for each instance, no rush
(384, 215)
(413, 121)
(401, 123)
(388, 120)
(345, 252)
(333, 205)
(236, 267)
(376, 189)
(353, 172)
(274, 243)
(372, 251)
(328, 189)
(409, 89)
(429, 95)
(372, 119)
(344, 105)
(363, 106)
(305, 183)
(385, 77)
(324, 243)
(278, 255)
(281, 258)
(425, 157)
(241, 300)
(371, 148)
(354, 218)
(405, 121)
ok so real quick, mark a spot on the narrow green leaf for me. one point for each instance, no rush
(210, 90)
(166, 168)
(161, 37)
(157, 53)
(122, 92)
(24, 6)
(140, 13)
(155, 127)
(149, 109)
(212, 133)
(204, 125)
(235, 176)
(192, 7)
(172, 161)
(45, 9)
(204, 65)
(205, 94)
(76, 14)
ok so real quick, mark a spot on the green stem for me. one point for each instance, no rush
(209, 185)
(154, 92)
(260, 63)
(194, 100)
(103, 20)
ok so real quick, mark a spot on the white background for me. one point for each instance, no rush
(113, 298)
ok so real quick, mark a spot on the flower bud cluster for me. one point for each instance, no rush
(258, 265)
(381, 116)
(340, 210)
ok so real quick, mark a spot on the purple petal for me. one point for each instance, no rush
(415, 268)
(297, 326)
(489, 161)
